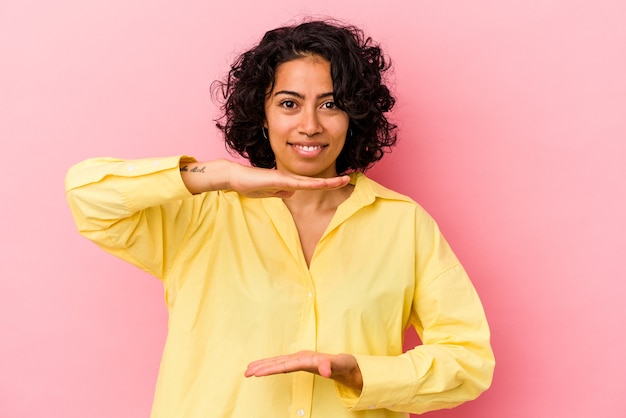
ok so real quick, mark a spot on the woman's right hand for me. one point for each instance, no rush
(257, 182)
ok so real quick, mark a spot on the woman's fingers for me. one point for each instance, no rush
(340, 367)
(261, 182)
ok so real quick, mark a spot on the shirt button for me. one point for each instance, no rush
(131, 168)
(310, 294)
(156, 162)
(300, 412)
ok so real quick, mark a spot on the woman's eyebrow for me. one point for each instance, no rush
(300, 96)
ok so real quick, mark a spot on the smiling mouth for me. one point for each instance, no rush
(308, 148)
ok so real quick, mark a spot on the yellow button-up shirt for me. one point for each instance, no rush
(238, 289)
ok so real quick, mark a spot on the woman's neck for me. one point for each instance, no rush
(311, 201)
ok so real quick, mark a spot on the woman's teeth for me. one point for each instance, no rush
(308, 148)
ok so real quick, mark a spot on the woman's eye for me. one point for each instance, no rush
(329, 105)
(289, 104)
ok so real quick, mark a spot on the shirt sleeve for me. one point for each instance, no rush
(137, 210)
(455, 361)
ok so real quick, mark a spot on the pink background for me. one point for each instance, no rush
(513, 135)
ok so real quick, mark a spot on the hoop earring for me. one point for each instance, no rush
(263, 129)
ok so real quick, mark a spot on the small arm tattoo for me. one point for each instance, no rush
(193, 170)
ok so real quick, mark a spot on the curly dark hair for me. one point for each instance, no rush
(357, 66)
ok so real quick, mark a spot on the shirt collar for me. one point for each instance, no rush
(366, 190)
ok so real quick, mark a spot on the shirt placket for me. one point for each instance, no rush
(307, 340)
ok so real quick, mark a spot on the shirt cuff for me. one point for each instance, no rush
(163, 181)
(387, 381)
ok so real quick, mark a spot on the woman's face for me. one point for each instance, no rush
(306, 129)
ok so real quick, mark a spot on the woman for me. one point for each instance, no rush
(290, 283)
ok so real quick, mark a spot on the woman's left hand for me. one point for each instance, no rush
(340, 367)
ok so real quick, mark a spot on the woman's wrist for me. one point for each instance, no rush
(205, 176)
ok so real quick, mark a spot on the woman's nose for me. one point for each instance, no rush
(309, 123)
